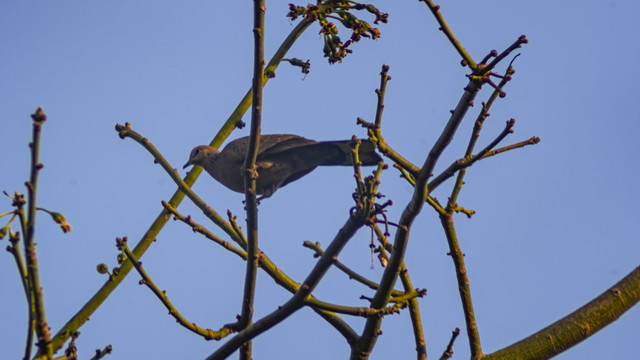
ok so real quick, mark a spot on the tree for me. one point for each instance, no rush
(165, 270)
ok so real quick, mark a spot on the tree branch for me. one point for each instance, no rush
(577, 326)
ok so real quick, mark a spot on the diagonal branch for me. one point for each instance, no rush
(444, 27)
(370, 333)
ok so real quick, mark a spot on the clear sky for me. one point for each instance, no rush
(556, 223)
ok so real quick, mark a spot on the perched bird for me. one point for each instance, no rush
(281, 160)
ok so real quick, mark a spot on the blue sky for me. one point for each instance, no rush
(556, 223)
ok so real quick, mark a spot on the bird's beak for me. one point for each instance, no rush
(187, 164)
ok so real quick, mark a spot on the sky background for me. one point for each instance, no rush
(556, 223)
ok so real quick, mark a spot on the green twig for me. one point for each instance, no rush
(380, 92)
(444, 27)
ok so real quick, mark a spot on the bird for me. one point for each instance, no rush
(281, 159)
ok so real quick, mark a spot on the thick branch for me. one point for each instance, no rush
(250, 175)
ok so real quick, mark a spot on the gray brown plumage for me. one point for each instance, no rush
(281, 159)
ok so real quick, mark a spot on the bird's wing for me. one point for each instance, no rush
(271, 145)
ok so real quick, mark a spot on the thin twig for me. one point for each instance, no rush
(435, 10)
(41, 327)
(345, 269)
(448, 353)
(463, 285)
(384, 78)
(14, 249)
(202, 230)
(102, 353)
(463, 163)
(516, 45)
(414, 308)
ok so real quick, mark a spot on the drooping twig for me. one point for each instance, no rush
(208, 334)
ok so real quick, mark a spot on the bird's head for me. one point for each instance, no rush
(200, 155)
